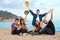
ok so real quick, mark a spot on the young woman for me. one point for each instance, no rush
(36, 28)
(50, 28)
(23, 26)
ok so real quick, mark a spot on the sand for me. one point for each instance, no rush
(5, 34)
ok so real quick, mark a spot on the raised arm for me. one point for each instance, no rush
(50, 11)
(26, 12)
(25, 18)
(30, 11)
(45, 14)
(51, 16)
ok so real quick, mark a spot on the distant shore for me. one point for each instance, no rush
(5, 34)
(6, 21)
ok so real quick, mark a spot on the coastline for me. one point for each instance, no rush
(5, 34)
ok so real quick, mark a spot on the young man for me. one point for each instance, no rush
(38, 16)
(14, 27)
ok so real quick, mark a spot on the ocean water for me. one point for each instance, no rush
(28, 24)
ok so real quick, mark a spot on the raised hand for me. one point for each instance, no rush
(26, 13)
(50, 10)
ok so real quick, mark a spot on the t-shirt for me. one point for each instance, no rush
(13, 27)
(37, 18)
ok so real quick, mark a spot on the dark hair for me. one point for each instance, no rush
(38, 10)
(17, 19)
(36, 25)
(21, 23)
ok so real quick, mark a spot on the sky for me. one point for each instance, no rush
(17, 7)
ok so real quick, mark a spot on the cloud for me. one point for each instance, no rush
(6, 2)
(12, 4)
(46, 4)
(17, 6)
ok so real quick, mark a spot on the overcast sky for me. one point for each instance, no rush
(17, 6)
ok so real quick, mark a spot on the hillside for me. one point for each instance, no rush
(7, 16)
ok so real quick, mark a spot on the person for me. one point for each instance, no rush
(24, 29)
(23, 26)
(38, 16)
(49, 28)
(14, 28)
(36, 28)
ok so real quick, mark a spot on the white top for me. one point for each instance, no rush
(37, 18)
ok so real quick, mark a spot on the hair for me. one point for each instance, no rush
(37, 10)
(17, 19)
(21, 23)
(36, 25)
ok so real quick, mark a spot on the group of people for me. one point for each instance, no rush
(38, 24)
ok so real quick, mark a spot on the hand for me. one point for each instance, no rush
(51, 10)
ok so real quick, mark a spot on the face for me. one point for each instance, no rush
(16, 21)
(45, 21)
(37, 12)
(22, 21)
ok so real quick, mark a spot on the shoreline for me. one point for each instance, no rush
(5, 34)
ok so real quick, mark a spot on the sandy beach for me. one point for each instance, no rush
(5, 34)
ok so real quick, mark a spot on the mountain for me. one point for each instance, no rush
(7, 16)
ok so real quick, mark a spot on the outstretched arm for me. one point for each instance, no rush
(45, 14)
(50, 11)
(30, 11)
(25, 18)
(50, 17)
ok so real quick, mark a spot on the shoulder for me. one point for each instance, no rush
(13, 23)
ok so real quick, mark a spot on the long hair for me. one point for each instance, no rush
(21, 22)
(37, 25)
